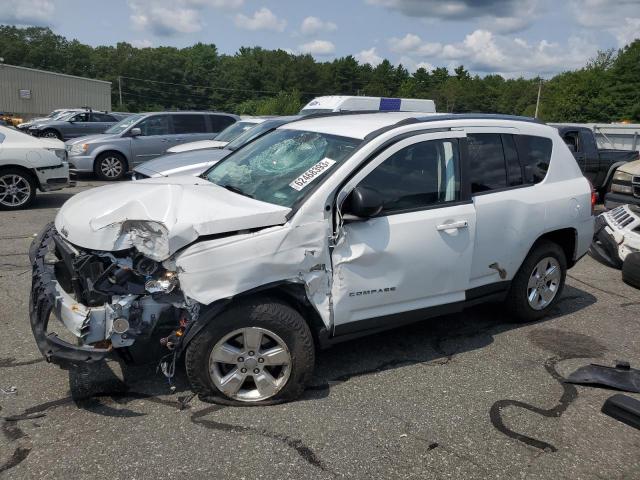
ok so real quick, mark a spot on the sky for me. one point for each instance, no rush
(510, 37)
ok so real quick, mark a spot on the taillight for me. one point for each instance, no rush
(594, 197)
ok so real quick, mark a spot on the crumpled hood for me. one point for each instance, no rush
(188, 207)
(185, 163)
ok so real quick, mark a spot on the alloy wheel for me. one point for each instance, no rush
(111, 167)
(15, 190)
(250, 364)
(544, 283)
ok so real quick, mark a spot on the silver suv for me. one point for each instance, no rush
(142, 137)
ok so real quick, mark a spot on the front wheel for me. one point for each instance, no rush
(539, 283)
(51, 133)
(110, 166)
(17, 189)
(259, 352)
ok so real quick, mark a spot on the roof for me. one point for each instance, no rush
(350, 125)
(5, 65)
(362, 125)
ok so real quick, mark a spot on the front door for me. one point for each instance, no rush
(154, 138)
(417, 252)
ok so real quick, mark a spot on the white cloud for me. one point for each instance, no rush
(369, 56)
(505, 16)
(26, 12)
(318, 47)
(313, 25)
(170, 17)
(144, 43)
(486, 52)
(164, 20)
(263, 19)
(413, 65)
(413, 44)
(620, 18)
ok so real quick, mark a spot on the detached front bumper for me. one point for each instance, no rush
(48, 299)
(604, 247)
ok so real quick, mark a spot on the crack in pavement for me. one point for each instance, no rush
(11, 362)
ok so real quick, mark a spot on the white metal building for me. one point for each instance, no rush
(28, 93)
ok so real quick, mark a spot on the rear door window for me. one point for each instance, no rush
(220, 122)
(487, 168)
(102, 117)
(535, 156)
(187, 123)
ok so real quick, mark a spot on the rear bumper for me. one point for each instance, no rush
(613, 200)
(604, 248)
(47, 300)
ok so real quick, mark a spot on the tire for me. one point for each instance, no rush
(283, 331)
(518, 302)
(631, 270)
(51, 133)
(110, 166)
(17, 189)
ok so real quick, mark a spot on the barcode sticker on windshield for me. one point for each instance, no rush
(310, 175)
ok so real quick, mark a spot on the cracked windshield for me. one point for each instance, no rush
(281, 166)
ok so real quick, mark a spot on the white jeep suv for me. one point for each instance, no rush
(321, 230)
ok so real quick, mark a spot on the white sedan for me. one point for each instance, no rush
(28, 164)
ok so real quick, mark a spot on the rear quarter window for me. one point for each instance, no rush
(535, 156)
(220, 122)
(186, 123)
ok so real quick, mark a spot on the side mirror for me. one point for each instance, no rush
(135, 132)
(363, 202)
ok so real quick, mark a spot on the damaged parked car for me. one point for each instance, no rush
(616, 241)
(316, 232)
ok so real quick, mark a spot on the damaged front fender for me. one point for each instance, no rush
(225, 267)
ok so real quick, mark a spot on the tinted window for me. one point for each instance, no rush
(189, 124)
(156, 125)
(487, 169)
(417, 176)
(101, 117)
(535, 155)
(220, 122)
(514, 169)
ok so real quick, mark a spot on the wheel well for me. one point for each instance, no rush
(26, 170)
(107, 152)
(566, 239)
(295, 295)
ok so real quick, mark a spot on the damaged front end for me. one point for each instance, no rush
(616, 236)
(106, 300)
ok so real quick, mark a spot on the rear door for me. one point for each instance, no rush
(154, 138)
(188, 127)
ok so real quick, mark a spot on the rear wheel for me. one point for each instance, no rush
(539, 283)
(110, 166)
(17, 189)
(256, 353)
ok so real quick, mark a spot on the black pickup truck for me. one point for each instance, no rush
(597, 164)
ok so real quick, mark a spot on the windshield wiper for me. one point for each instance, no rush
(234, 189)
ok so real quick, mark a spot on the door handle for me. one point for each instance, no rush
(453, 225)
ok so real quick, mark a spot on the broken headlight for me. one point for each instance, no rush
(150, 238)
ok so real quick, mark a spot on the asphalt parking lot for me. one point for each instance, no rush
(463, 396)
